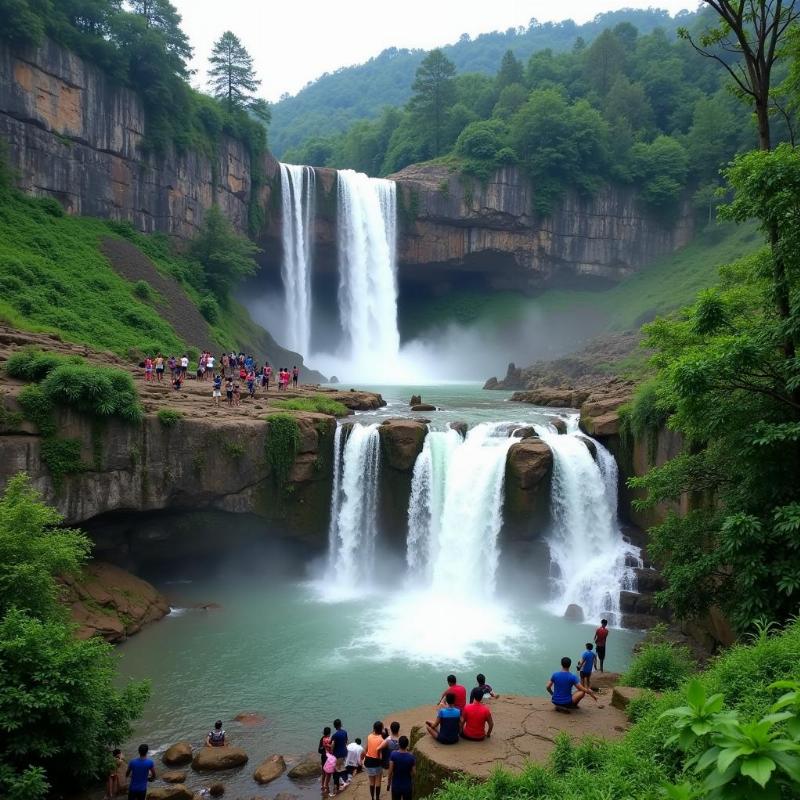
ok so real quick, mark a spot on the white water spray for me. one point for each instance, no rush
(367, 233)
(354, 509)
(586, 545)
(298, 199)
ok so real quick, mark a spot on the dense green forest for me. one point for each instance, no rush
(631, 108)
(333, 102)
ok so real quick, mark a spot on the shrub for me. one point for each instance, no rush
(659, 666)
(62, 457)
(282, 444)
(209, 308)
(104, 391)
(30, 364)
(144, 291)
(169, 417)
(38, 409)
(316, 403)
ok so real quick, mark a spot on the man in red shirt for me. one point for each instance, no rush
(476, 719)
(457, 690)
(600, 636)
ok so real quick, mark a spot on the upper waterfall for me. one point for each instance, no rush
(298, 199)
(367, 237)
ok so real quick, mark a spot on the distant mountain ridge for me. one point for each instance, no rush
(335, 100)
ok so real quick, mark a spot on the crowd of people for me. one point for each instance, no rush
(234, 369)
(386, 749)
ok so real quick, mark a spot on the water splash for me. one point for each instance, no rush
(298, 192)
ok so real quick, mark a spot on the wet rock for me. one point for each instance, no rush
(423, 407)
(528, 462)
(552, 397)
(574, 612)
(286, 796)
(526, 432)
(309, 767)
(649, 580)
(178, 755)
(250, 718)
(490, 384)
(590, 445)
(210, 759)
(401, 442)
(559, 424)
(174, 776)
(216, 789)
(415, 400)
(175, 792)
(269, 769)
(628, 601)
(460, 427)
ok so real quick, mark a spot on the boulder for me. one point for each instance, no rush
(269, 769)
(649, 580)
(216, 789)
(210, 759)
(574, 612)
(333, 379)
(491, 383)
(460, 427)
(174, 776)
(401, 442)
(591, 446)
(286, 796)
(175, 792)
(423, 407)
(622, 696)
(605, 680)
(415, 400)
(526, 432)
(601, 425)
(528, 462)
(559, 423)
(552, 397)
(308, 767)
(250, 718)
(178, 755)
(628, 601)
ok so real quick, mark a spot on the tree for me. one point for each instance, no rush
(605, 60)
(232, 77)
(58, 701)
(162, 16)
(660, 167)
(226, 257)
(511, 71)
(434, 92)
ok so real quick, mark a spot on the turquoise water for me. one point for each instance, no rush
(275, 648)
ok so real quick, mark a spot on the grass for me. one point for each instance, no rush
(169, 417)
(315, 403)
(667, 284)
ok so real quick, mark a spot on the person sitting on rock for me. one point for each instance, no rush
(447, 726)
(476, 719)
(560, 687)
(216, 738)
(484, 687)
(457, 690)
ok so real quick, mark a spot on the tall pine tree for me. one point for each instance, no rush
(434, 94)
(232, 77)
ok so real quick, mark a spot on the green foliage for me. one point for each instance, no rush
(226, 256)
(62, 457)
(232, 76)
(169, 417)
(93, 390)
(234, 450)
(642, 418)
(209, 308)
(144, 291)
(317, 403)
(52, 684)
(38, 409)
(660, 168)
(434, 93)
(32, 364)
(282, 445)
(659, 666)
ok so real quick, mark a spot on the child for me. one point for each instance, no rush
(229, 391)
(112, 782)
(586, 664)
(328, 768)
(251, 383)
(217, 391)
(148, 369)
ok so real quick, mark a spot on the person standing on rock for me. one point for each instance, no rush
(339, 750)
(141, 771)
(560, 687)
(159, 363)
(586, 664)
(112, 780)
(373, 760)
(457, 690)
(600, 636)
(295, 376)
(402, 768)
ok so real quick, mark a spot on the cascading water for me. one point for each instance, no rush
(587, 549)
(367, 233)
(298, 193)
(354, 509)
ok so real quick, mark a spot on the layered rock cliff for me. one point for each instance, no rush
(76, 136)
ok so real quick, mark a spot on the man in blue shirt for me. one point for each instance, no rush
(339, 750)
(586, 665)
(140, 771)
(446, 727)
(561, 685)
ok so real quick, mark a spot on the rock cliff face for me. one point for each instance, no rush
(76, 136)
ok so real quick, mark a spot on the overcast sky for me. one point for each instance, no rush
(295, 41)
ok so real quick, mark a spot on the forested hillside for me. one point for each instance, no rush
(643, 109)
(333, 102)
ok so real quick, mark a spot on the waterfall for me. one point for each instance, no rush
(367, 233)
(455, 513)
(354, 508)
(587, 549)
(298, 196)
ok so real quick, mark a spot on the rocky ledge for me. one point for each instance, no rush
(107, 601)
